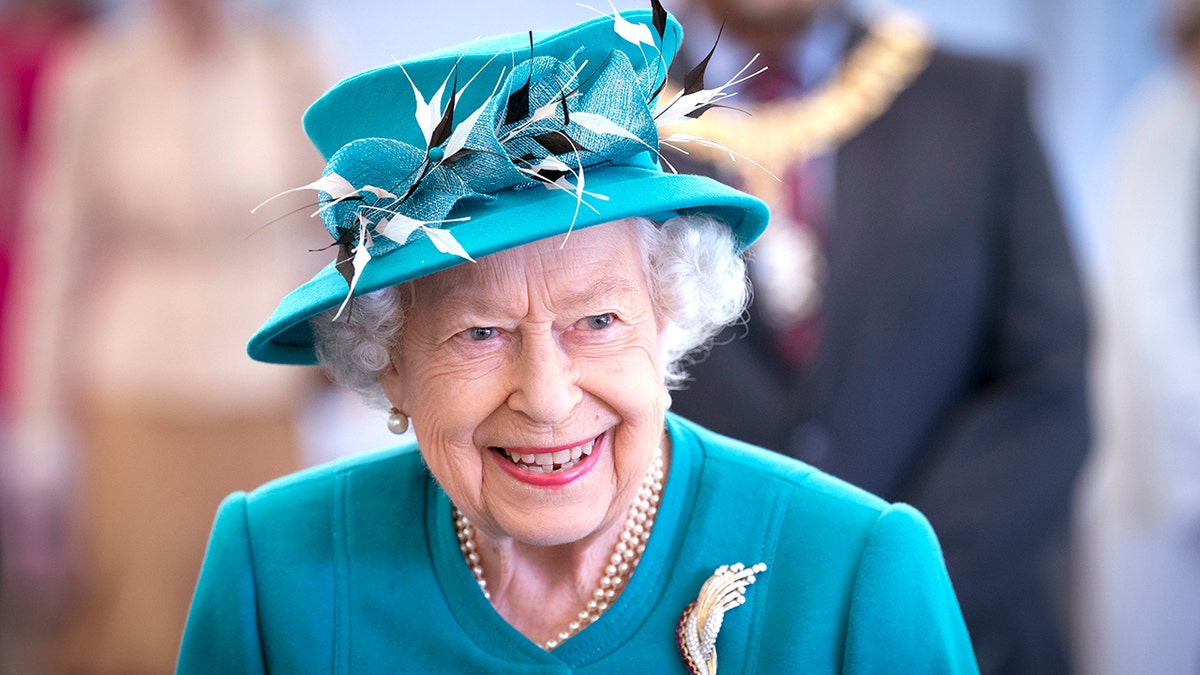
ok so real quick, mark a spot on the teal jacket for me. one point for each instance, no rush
(353, 567)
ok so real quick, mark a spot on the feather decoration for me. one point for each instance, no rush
(553, 172)
(400, 227)
(660, 18)
(441, 133)
(559, 142)
(602, 125)
(634, 33)
(428, 111)
(335, 186)
(674, 139)
(546, 110)
(547, 170)
(379, 193)
(696, 633)
(566, 111)
(693, 81)
(576, 189)
(563, 184)
(685, 103)
(345, 246)
(517, 107)
(545, 167)
(456, 146)
(445, 242)
(359, 261)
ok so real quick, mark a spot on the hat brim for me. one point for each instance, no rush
(617, 192)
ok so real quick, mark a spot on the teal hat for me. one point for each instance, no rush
(467, 151)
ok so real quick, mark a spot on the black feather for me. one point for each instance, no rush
(694, 80)
(347, 237)
(441, 133)
(517, 107)
(558, 142)
(550, 175)
(660, 18)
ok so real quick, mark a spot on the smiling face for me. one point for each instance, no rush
(534, 380)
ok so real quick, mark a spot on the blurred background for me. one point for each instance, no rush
(136, 135)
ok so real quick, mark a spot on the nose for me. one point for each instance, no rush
(545, 386)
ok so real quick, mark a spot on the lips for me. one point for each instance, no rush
(551, 462)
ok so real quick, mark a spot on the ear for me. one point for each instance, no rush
(663, 358)
(393, 384)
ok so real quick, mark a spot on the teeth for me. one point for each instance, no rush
(545, 462)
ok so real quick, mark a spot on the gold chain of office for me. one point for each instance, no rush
(778, 134)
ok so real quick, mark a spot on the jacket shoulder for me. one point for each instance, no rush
(745, 469)
(304, 494)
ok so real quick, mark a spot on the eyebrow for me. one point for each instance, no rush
(606, 287)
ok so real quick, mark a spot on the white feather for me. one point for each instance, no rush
(398, 228)
(361, 257)
(446, 243)
(337, 187)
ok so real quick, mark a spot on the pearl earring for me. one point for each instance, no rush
(397, 422)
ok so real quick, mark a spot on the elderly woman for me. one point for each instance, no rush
(519, 277)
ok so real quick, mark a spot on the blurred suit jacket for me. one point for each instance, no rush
(951, 371)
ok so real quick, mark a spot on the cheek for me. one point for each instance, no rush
(634, 388)
(459, 473)
(448, 389)
(445, 422)
(630, 383)
(628, 375)
(449, 410)
(447, 407)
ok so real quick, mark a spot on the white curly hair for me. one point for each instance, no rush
(697, 281)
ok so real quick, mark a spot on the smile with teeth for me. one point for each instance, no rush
(550, 462)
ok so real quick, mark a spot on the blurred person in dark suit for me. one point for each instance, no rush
(1137, 526)
(918, 325)
(140, 273)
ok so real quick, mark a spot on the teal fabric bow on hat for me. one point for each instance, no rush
(540, 127)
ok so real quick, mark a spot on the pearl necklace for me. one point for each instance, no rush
(625, 556)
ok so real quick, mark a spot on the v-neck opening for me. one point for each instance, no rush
(619, 624)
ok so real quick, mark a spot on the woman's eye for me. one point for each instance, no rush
(600, 321)
(479, 334)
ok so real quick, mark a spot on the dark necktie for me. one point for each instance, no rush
(789, 270)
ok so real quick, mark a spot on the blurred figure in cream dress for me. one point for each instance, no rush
(143, 273)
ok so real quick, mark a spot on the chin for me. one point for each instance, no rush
(566, 526)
